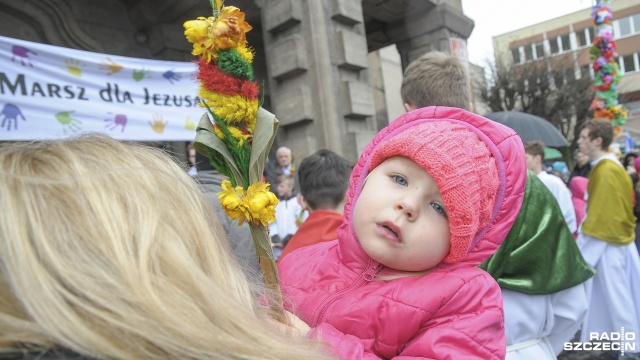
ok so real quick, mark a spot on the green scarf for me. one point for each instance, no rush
(539, 255)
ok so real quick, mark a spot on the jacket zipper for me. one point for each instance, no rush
(367, 276)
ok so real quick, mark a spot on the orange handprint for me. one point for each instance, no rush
(110, 65)
(158, 125)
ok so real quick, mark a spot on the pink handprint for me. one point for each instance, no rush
(118, 120)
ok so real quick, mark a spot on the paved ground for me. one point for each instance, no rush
(586, 355)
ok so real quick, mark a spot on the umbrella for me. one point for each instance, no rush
(530, 127)
(551, 153)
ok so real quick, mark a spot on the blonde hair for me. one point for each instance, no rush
(436, 79)
(111, 251)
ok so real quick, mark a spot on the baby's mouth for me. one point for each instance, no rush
(391, 232)
(390, 229)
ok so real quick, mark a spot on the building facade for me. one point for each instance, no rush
(567, 39)
(312, 55)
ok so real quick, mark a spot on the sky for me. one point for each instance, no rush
(496, 17)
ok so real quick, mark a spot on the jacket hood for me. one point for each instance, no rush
(578, 186)
(505, 146)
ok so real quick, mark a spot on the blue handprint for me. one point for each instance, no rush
(9, 114)
(170, 75)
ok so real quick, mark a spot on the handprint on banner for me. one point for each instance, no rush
(64, 118)
(22, 53)
(118, 120)
(170, 75)
(111, 66)
(74, 67)
(193, 77)
(189, 125)
(9, 115)
(138, 75)
(158, 125)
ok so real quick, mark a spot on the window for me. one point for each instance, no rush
(624, 25)
(628, 63)
(553, 45)
(592, 34)
(559, 78)
(635, 19)
(585, 70)
(539, 50)
(581, 37)
(515, 53)
(566, 43)
(528, 53)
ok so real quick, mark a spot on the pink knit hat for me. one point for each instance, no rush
(463, 168)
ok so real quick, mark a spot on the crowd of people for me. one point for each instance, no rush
(446, 240)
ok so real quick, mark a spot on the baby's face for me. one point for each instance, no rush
(400, 218)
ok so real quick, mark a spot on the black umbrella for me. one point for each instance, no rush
(530, 127)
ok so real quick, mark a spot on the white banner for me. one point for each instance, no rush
(51, 92)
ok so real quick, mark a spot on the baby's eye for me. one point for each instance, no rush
(439, 209)
(399, 180)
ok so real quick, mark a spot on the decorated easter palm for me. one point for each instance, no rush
(235, 133)
(603, 53)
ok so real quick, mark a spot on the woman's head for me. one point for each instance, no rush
(456, 175)
(110, 250)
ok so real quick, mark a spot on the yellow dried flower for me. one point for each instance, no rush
(226, 30)
(198, 33)
(230, 28)
(256, 205)
(261, 203)
(231, 201)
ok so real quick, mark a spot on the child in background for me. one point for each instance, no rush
(323, 179)
(432, 196)
(289, 214)
(578, 186)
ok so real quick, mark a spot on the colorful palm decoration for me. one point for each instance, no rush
(603, 53)
(235, 133)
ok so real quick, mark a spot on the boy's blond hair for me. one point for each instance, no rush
(290, 178)
(436, 79)
(110, 250)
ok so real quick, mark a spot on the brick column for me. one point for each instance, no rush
(431, 32)
(317, 64)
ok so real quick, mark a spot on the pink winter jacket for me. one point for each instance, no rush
(453, 312)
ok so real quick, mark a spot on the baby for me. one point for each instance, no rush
(432, 196)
